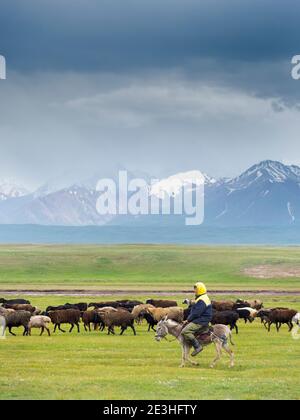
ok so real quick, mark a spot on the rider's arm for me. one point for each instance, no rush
(197, 310)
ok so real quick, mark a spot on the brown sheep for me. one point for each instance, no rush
(162, 303)
(88, 318)
(174, 313)
(138, 310)
(23, 307)
(223, 306)
(279, 317)
(120, 318)
(66, 316)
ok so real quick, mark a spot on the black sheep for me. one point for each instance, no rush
(15, 301)
(229, 318)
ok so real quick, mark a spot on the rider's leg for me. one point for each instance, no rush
(189, 332)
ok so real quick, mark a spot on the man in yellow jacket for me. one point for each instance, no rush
(199, 317)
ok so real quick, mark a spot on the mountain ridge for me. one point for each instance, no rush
(265, 194)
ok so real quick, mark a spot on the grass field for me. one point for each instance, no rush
(96, 366)
(150, 266)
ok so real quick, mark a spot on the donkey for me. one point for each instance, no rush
(219, 336)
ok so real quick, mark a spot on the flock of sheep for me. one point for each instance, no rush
(125, 313)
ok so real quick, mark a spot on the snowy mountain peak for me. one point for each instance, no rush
(10, 189)
(265, 171)
(173, 185)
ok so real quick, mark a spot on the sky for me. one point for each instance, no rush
(155, 86)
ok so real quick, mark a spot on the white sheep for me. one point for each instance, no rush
(296, 319)
(39, 322)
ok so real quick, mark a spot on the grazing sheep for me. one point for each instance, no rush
(162, 303)
(129, 304)
(120, 318)
(4, 311)
(263, 314)
(66, 316)
(17, 319)
(15, 301)
(229, 318)
(41, 322)
(247, 314)
(139, 311)
(188, 302)
(23, 307)
(279, 317)
(223, 306)
(103, 304)
(91, 317)
(254, 304)
(296, 319)
(174, 313)
(82, 307)
(151, 322)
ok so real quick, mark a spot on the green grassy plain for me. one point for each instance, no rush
(96, 366)
(142, 266)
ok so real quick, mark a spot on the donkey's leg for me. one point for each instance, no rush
(193, 362)
(218, 347)
(227, 348)
(185, 354)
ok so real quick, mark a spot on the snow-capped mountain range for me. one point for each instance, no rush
(10, 189)
(266, 194)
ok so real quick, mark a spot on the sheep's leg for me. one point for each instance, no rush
(60, 329)
(85, 329)
(78, 328)
(42, 331)
(10, 331)
(133, 329)
(48, 331)
(291, 326)
(89, 325)
(236, 328)
(278, 325)
(218, 347)
(71, 329)
(123, 329)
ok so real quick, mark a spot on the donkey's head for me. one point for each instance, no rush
(162, 329)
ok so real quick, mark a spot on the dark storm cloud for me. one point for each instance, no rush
(124, 34)
(156, 85)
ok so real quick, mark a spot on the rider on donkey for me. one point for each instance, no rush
(199, 318)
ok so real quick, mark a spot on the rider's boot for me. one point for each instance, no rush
(197, 347)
